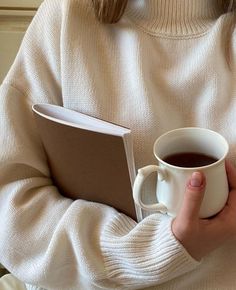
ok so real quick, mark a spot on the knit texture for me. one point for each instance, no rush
(144, 73)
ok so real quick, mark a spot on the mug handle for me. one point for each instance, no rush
(143, 173)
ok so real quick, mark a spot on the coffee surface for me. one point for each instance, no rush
(189, 159)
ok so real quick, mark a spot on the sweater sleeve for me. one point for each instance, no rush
(51, 241)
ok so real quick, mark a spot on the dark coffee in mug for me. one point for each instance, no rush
(189, 159)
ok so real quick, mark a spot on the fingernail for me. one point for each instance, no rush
(196, 179)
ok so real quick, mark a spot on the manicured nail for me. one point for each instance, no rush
(196, 179)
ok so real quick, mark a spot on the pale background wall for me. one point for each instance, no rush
(15, 16)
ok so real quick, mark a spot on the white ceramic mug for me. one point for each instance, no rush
(172, 179)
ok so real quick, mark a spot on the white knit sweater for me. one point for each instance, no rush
(163, 66)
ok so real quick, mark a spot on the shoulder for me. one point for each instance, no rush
(55, 16)
(67, 8)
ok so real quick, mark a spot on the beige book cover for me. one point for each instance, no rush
(89, 158)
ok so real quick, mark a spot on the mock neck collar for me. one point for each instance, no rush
(173, 18)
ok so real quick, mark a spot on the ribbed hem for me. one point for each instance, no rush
(174, 18)
(144, 255)
(32, 287)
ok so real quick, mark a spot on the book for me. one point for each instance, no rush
(89, 158)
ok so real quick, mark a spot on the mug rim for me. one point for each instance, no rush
(192, 168)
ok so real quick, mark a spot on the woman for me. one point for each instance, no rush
(160, 66)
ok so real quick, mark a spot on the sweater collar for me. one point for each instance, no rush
(174, 17)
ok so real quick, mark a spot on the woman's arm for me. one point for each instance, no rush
(49, 240)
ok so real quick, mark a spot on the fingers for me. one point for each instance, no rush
(231, 174)
(193, 196)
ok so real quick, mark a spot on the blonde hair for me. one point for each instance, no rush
(110, 11)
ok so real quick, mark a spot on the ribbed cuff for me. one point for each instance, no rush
(145, 254)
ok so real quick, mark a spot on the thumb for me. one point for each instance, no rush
(193, 196)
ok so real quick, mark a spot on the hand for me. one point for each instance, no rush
(201, 236)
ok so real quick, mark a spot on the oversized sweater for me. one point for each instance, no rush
(163, 66)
